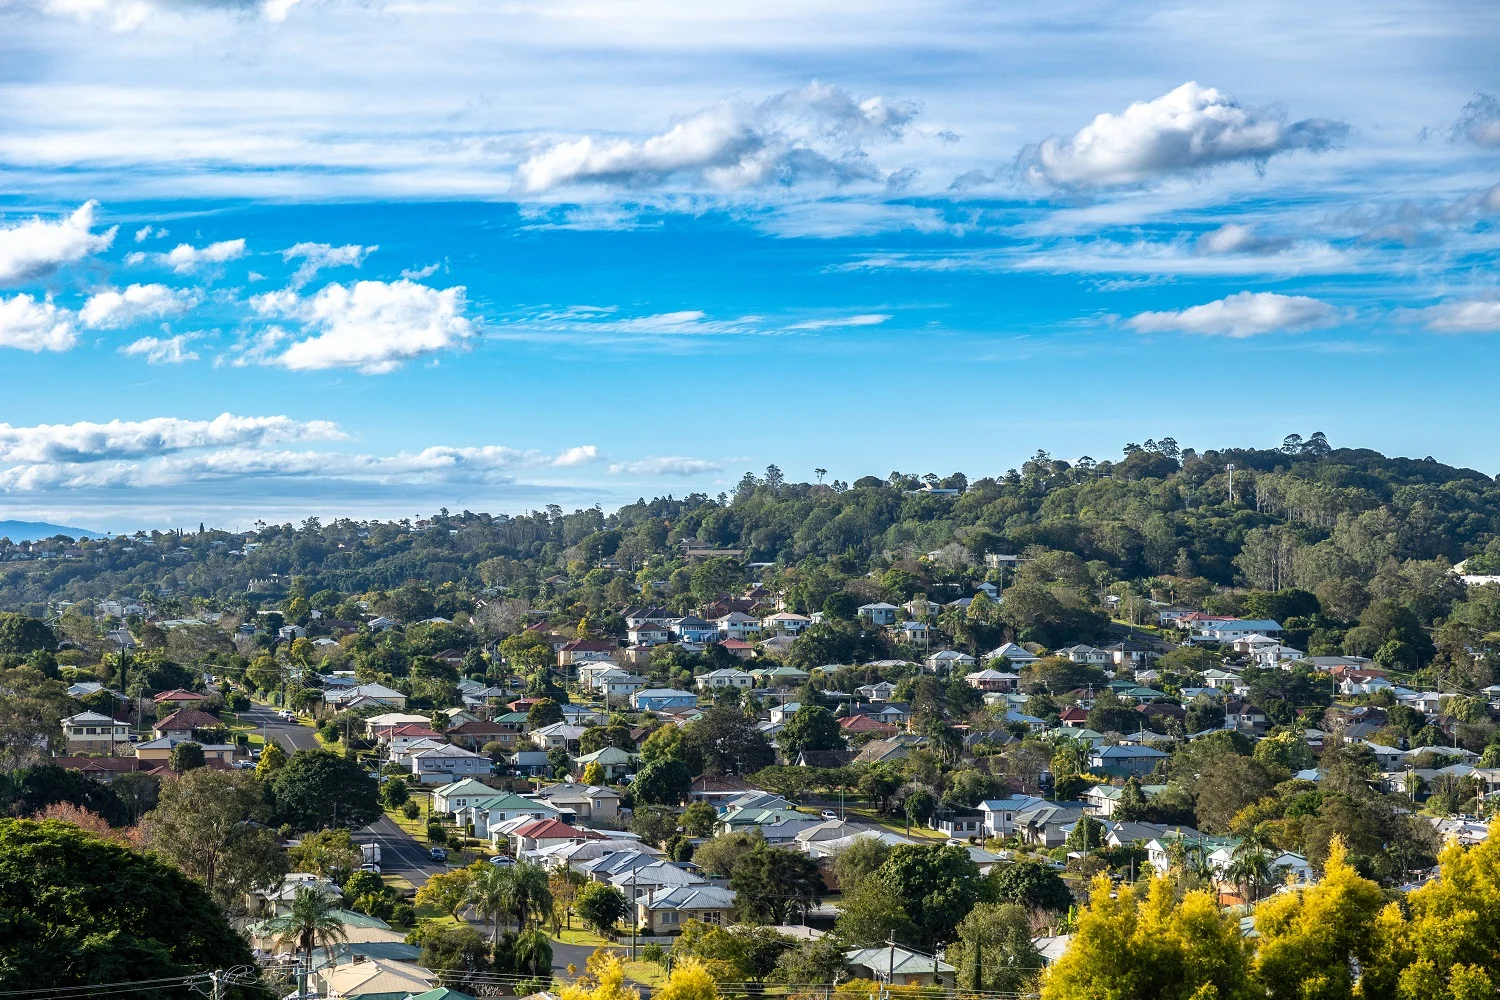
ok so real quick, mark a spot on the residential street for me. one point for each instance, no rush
(290, 735)
(400, 854)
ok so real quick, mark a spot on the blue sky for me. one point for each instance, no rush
(266, 259)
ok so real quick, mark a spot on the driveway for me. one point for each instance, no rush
(290, 735)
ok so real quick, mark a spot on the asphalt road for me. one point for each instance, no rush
(399, 853)
(290, 735)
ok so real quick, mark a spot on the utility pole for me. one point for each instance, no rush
(1230, 467)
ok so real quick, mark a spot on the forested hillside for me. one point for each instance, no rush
(1366, 534)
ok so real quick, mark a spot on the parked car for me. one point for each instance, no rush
(829, 814)
(371, 867)
(438, 854)
(502, 859)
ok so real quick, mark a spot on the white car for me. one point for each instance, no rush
(829, 814)
(371, 867)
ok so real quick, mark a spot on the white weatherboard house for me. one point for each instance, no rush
(446, 764)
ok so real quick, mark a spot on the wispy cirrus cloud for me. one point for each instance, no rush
(1188, 129)
(813, 133)
(163, 350)
(318, 256)
(371, 326)
(835, 322)
(37, 247)
(1244, 314)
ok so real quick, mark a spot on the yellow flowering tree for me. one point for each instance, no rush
(1147, 943)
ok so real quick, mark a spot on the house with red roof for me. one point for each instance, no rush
(182, 722)
(543, 833)
(171, 701)
(861, 725)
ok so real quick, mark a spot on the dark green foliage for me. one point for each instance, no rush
(726, 741)
(1031, 884)
(937, 886)
(318, 788)
(772, 885)
(35, 789)
(76, 910)
(811, 727)
(663, 782)
(21, 635)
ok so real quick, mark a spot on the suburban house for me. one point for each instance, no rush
(695, 629)
(590, 804)
(879, 613)
(459, 795)
(481, 732)
(1124, 759)
(90, 732)
(1019, 656)
(160, 750)
(993, 680)
(542, 833)
(170, 701)
(738, 625)
(950, 659)
(662, 700)
(614, 762)
(1048, 823)
(443, 765)
(899, 966)
(366, 694)
(666, 910)
(726, 677)
(184, 722)
(1000, 814)
(584, 650)
(784, 622)
(1238, 628)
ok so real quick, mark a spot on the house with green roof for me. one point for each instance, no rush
(459, 795)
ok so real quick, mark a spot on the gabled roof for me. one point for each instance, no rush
(468, 786)
(178, 694)
(185, 719)
(550, 829)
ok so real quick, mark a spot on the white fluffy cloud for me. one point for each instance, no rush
(1190, 128)
(1243, 314)
(316, 256)
(125, 439)
(817, 132)
(186, 258)
(37, 247)
(1463, 316)
(373, 326)
(163, 350)
(580, 455)
(1236, 237)
(35, 325)
(114, 308)
(668, 465)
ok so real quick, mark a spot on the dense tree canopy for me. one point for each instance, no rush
(76, 910)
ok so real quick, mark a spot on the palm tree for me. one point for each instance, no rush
(533, 894)
(493, 893)
(312, 921)
(1249, 871)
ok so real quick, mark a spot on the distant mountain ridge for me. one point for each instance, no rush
(30, 531)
